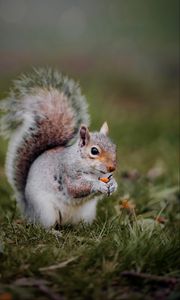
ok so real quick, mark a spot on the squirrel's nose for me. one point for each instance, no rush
(111, 168)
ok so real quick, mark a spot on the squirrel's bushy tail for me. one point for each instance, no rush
(44, 110)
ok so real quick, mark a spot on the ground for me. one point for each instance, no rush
(132, 250)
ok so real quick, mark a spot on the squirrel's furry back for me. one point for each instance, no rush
(44, 110)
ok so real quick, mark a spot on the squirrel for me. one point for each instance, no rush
(54, 163)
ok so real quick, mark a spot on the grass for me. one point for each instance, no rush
(132, 250)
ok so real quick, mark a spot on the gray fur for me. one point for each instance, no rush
(49, 164)
(103, 142)
(27, 84)
(47, 191)
(23, 116)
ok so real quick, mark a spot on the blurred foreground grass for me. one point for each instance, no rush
(137, 230)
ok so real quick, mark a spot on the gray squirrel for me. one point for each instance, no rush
(54, 164)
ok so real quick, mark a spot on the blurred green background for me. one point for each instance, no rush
(125, 55)
(137, 40)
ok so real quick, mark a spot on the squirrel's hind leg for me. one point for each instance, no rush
(40, 209)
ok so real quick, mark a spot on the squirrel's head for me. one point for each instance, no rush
(97, 149)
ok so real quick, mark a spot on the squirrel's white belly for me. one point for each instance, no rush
(46, 209)
(75, 213)
(47, 205)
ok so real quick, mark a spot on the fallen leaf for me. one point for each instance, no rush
(131, 174)
(6, 296)
(126, 202)
(156, 171)
(160, 220)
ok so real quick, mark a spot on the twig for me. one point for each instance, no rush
(43, 288)
(29, 281)
(40, 285)
(151, 277)
(58, 266)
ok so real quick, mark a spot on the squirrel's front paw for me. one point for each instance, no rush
(112, 186)
(101, 187)
(105, 188)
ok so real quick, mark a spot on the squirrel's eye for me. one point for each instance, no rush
(94, 151)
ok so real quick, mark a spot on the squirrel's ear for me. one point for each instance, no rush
(84, 135)
(104, 129)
